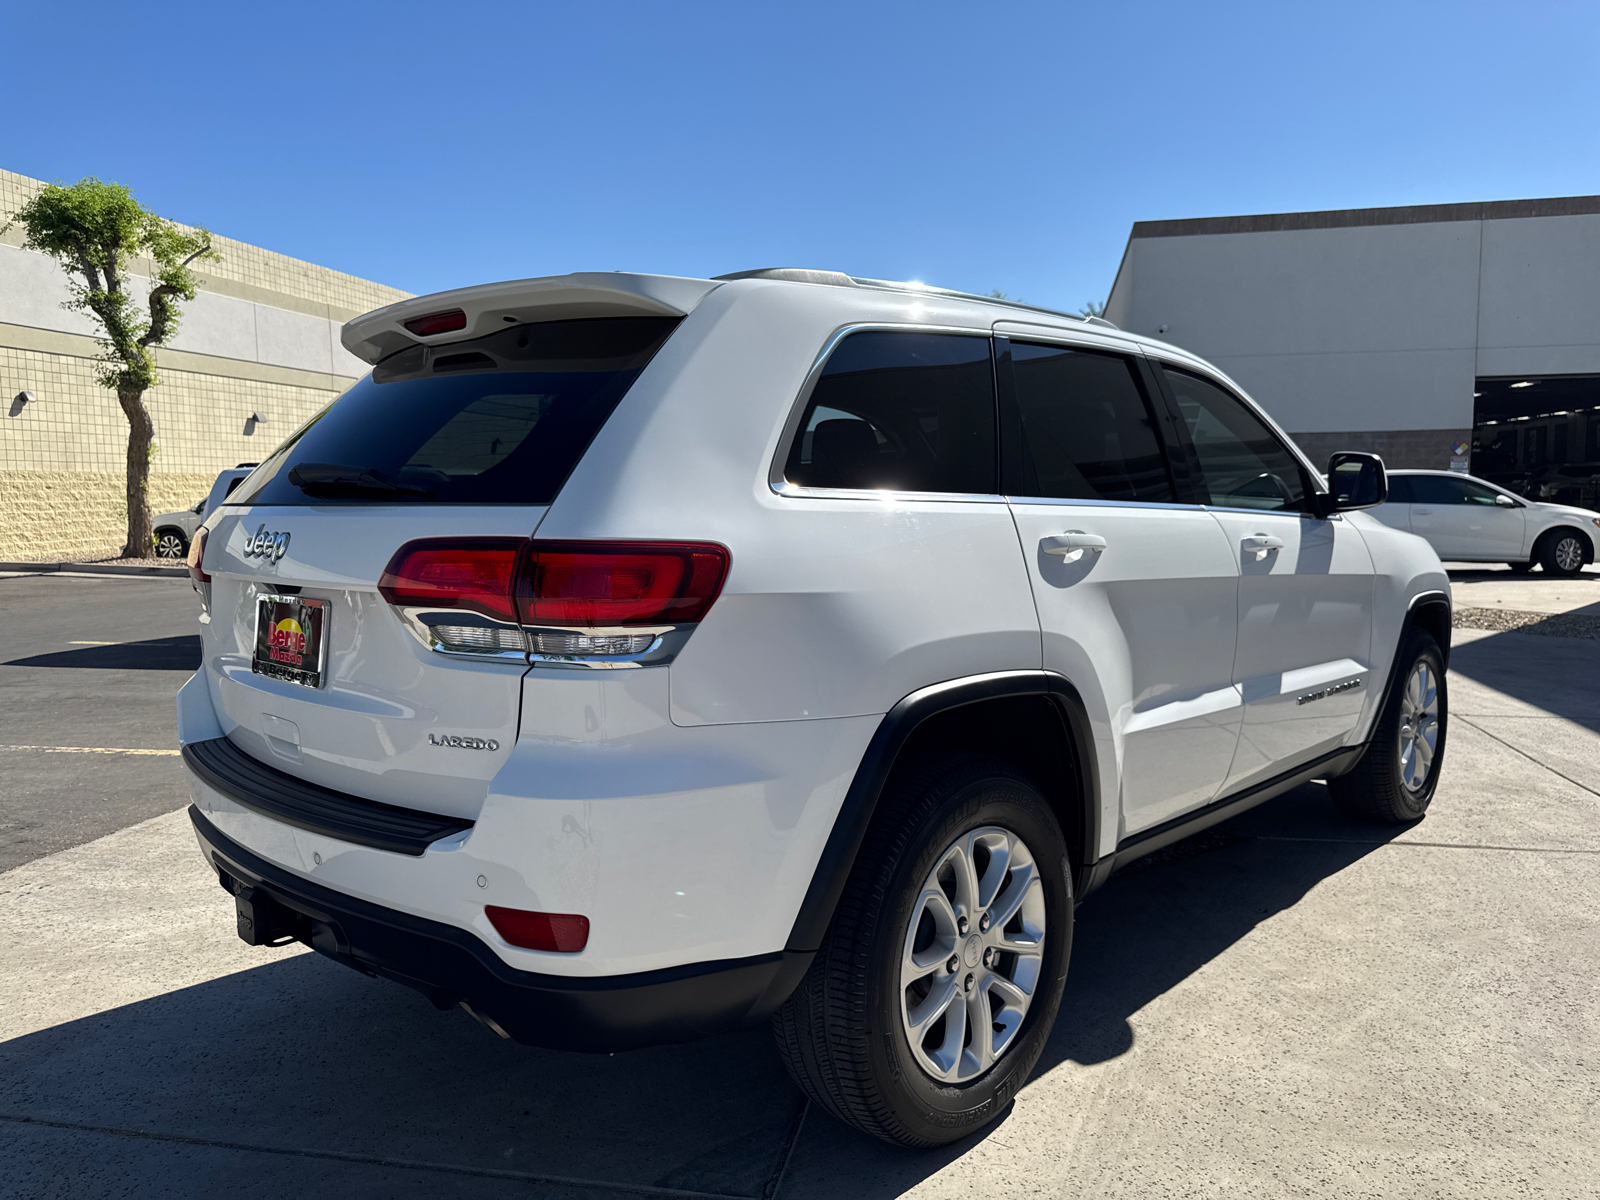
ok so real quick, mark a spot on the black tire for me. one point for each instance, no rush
(842, 1034)
(1375, 789)
(170, 544)
(1562, 552)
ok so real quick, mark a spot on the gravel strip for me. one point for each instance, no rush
(1510, 620)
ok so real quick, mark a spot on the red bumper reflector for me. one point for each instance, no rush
(563, 933)
(197, 554)
(470, 573)
(439, 322)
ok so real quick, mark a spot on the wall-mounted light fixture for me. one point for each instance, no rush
(21, 401)
(252, 421)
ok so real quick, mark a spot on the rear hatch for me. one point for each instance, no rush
(312, 668)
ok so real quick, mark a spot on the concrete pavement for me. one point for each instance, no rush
(89, 664)
(1292, 1005)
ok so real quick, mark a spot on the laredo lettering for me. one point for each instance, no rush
(462, 743)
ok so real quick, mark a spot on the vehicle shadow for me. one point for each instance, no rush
(178, 653)
(306, 1057)
(1148, 929)
(1555, 674)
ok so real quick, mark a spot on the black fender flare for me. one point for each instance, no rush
(872, 773)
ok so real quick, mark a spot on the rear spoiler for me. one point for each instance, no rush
(475, 311)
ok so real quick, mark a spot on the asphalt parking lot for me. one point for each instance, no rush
(1290, 1005)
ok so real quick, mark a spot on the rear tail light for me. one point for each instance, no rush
(477, 574)
(563, 933)
(575, 585)
(620, 583)
(439, 322)
(197, 554)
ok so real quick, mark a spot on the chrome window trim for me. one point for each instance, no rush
(776, 480)
(1078, 502)
(1272, 512)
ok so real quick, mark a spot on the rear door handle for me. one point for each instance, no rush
(1071, 544)
(1262, 544)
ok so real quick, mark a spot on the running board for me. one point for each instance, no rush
(1148, 841)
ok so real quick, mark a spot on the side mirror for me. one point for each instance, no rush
(1355, 480)
(1505, 501)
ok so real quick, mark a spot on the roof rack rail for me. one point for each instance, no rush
(840, 279)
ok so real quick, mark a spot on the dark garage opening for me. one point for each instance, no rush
(1539, 436)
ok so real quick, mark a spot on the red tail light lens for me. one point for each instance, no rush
(470, 573)
(620, 583)
(197, 554)
(563, 933)
(439, 322)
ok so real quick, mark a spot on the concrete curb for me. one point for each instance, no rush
(96, 569)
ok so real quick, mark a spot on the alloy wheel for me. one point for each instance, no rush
(1568, 554)
(972, 954)
(170, 545)
(1419, 726)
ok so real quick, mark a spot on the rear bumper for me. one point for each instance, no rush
(451, 965)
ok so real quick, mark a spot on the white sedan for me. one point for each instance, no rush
(1466, 519)
(173, 530)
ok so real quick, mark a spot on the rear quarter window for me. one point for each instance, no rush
(498, 420)
(911, 412)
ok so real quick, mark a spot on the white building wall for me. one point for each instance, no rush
(1372, 329)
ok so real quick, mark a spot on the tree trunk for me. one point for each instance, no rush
(140, 431)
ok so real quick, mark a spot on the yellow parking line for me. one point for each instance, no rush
(89, 750)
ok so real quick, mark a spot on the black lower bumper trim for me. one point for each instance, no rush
(311, 806)
(452, 965)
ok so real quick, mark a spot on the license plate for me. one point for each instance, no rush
(291, 639)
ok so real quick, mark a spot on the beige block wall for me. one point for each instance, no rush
(78, 516)
(62, 458)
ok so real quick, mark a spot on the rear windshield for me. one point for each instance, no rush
(501, 419)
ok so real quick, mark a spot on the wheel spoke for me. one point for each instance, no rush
(1009, 992)
(1006, 907)
(933, 1005)
(979, 1056)
(914, 964)
(966, 879)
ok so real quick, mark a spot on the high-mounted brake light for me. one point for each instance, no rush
(439, 322)
(564, 933)
(197, 554)
(477, 574)
(620, 583)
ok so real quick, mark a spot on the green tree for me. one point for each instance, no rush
(95, 231)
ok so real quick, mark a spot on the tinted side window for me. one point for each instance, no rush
(1399, 489)
(1242, 463)
(910, 412)
(1476, 493)
(1437, 489)
(1087, 432)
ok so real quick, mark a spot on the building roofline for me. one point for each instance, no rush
(1345, 218)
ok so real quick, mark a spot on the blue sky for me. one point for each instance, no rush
(971, 146)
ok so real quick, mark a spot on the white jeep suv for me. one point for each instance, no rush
(630, 658)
